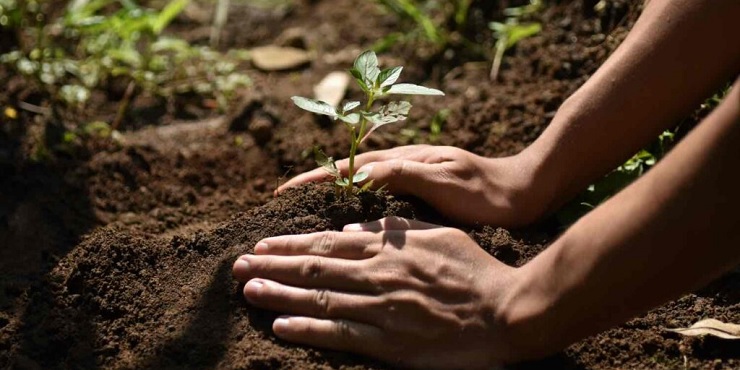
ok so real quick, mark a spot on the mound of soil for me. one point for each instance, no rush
(128, 299)
(118, 253)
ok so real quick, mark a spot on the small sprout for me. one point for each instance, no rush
(512, 31)
(375, 83)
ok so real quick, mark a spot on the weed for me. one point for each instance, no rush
(512, 31)
(375, 83)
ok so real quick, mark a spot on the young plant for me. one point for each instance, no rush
(96, 41)
(429, 25)
(375, 83)
(512, 31)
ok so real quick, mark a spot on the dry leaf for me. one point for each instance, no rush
(276, 58)
(332, 88)
(711, 327)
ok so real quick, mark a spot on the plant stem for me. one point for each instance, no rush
(352, 151)
(356, 142)
(500, 48)
(222, 13)
(123, 105)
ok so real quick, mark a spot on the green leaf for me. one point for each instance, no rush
(348, 106)
(411, 89)
(355, 73)
(363, 85)
(393, 112)
(358, 177)
(352, 118)
(522, 31)
(517, 12)
(342, 181)
(170, 44)
(367, 66)
(389, 76)
(497, 27)
(325, 162)
(367, 186)
(167, 14)
(315, 106)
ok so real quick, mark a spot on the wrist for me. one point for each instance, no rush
(527, 195)
(526, 315)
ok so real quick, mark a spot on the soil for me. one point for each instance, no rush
(117, 253)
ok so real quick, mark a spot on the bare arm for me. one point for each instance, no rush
(419, 295)
(672, 231)
(677, 54)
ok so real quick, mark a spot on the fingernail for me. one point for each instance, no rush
(242, 265)
(261, 247)
(253, 287)
(353, 227)
(367, 168)
(281, 324)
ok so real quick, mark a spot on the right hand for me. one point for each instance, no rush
(461, 185)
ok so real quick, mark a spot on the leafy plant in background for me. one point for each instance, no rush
(636, 166)
(617, 180)
(434, 22)
(375, 83)
(125, 44)
(512, 31)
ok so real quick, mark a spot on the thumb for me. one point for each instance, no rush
(400, 176)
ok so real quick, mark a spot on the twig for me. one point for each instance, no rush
(34, 108)
(123, 107)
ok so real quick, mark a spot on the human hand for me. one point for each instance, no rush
(406, 292)
(461, 185)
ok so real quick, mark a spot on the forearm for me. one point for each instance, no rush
(670, 232)
(677, 54)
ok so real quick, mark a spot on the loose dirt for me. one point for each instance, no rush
(117, 254)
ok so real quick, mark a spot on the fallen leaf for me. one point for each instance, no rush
(332, 88)
(277, 58)
(711, 327)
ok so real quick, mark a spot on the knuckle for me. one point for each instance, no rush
(312, 268)
(397, 167)
(455, 232)
(321, 301)
(325, 243)
(343, 329)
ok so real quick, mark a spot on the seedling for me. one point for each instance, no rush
(375, 83)
(97, 41)
(435, 26)
(512, 31)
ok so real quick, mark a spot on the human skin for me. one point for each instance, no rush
(425, 296)
(677, 54)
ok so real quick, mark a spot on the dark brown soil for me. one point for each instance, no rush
(117, 254)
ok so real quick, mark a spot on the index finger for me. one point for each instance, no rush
(319, 174)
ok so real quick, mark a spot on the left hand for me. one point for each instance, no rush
(406, 292)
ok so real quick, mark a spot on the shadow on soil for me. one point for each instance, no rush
(203, 343)
(42, 216)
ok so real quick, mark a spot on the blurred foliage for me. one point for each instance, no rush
(92, 42)
(513, 30)
(617, 180)
(437, 25)
(636, 166)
